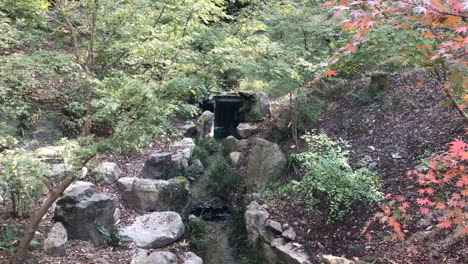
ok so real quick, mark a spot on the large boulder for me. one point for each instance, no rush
(155, 230)
(256, 106)
(266, 162)
(85, 212)
(156, 195)
(245, 130)
(48, 129)
(205, 125)
(157, 166)
(255, 218)
(107, 172)
(55, 244)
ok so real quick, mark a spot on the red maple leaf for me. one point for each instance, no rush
(399, 198)
(329, 73)
(424, 210)
(446, 223)
(457, 146)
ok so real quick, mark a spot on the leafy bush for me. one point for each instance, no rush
(22, 173)
(312, 110)
(222, 178)
(329, 179)
(114, 237)
(205, 148)
(198, 233)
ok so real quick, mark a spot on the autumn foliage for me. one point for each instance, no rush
(442, 191)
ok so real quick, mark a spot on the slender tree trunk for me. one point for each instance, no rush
(86, 131)
(457, 106)
(441, 76)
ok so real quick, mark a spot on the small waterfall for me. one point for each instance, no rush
(227, 113)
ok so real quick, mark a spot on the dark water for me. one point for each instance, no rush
(227, 113)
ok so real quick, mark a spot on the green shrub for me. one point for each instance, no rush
(205, 148)
(198, 233)
(222, 178)
(10, 237)
(329, 179)
(115, 237)
(312, 110)
(22, 174)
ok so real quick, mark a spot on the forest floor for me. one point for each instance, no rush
(396, 130)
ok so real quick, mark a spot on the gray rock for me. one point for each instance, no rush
(158, 195)
(282, 120)
(196, 169)
(274, 226)
(189, 130)
(205, 125)
(329, 259)
(255, 218)
(266, 162)
(234, 158)
(185, 146)
(59, 171)
(289, 233)
(159, 257)
(178, 161)
(125, 183)
(266, 235)
(191, 258)
(55, 244)
(48, 129)
(109, 172)
(31, 145)
(290, 253)
(269, 253)
(248, 198)
(155, 230)
(231, 144)
(245, 130)
(84, 210)
(157, 165)
(257, 106)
